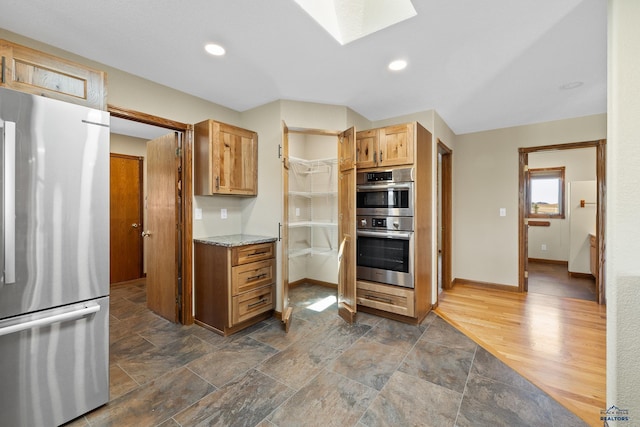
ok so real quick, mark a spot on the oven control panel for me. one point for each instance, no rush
(398, 223)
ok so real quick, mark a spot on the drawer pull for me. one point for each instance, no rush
(375, 297)
(259, 276)
(262, 301)
(258, 253)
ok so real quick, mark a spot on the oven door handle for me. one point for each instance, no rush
(388, 186)
(397, 236)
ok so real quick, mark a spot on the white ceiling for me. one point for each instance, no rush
(480, 64)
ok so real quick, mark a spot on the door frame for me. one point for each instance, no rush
(446, 210)
(140, 161)
(601, 209)
(186, 213)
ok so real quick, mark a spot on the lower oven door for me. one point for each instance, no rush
(385, 257)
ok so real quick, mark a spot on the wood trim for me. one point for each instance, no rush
(447, 213)
(568, 146)
(523, 234)
(577, 275)
(187, 227)
(145, 118)
(485, 285)
(601, 210)
(549, 261)
(312, 282)
(393, 316)
(539, 223)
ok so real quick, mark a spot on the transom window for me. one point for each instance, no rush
(546, 193)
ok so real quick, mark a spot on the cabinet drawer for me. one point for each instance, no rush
(250, 276)
(251, 253)
(252, 303)
(388, 298)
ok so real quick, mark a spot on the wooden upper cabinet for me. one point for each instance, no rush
(388, 146)
(395, 145)
(225, 160)
(28, 70)
(366, 148)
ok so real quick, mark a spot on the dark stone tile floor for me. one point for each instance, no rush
(324, 372)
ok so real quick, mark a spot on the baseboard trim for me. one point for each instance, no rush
(313, 282)
(581, 275)
(549, 261)
(476, 283)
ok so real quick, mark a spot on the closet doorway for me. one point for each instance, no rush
(310, 212)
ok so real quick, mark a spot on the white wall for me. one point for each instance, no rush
(623, 205)
(485, 245)
(580, 165)
(582, 223)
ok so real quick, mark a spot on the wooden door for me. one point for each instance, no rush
(395, 145)
(162, 230)
(235, 157)
(126, 250)
(284, 300)
(347, 229)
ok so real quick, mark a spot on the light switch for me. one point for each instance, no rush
(297, 211)
(223, 213)
(198, 214)
(503, 211)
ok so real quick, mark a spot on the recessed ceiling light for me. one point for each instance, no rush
(397, 65)
(571, 85)
(214, 49)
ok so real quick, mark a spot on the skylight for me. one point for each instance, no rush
(349, 20)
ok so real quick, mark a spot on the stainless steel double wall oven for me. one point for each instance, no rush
(385, 239)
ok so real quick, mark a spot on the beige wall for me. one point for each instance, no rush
(485, 245)
(580, 165)
(623, 205)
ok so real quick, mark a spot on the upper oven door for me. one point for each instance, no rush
(385, 199)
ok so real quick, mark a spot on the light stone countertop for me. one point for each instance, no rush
(233, 240)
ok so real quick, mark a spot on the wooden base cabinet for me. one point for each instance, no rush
(234, 286)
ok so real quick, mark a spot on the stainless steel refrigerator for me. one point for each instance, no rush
(54, 251)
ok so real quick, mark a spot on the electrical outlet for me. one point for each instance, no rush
(543, 247)
(223, 213)
(503, 211)
(297, 211)
(198, 214)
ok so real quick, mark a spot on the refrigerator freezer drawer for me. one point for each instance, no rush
(54, 365)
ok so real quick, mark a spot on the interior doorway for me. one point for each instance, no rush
(182, 246)
(126, 193)
(529, 217)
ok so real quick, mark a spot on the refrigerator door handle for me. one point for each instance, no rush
(9, 214)
(88, 308)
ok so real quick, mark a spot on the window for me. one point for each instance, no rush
(546, 193)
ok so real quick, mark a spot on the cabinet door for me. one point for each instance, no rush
(347, 235)
(395, 145)
(32, 71)
(366, 148)
(346, 152)
(235, 161)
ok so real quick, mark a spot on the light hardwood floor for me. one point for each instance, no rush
(559, 344)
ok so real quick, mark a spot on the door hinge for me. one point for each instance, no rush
(526, 274)
(279, 151)
(179, 300)
(526, 168)
(178, 152)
